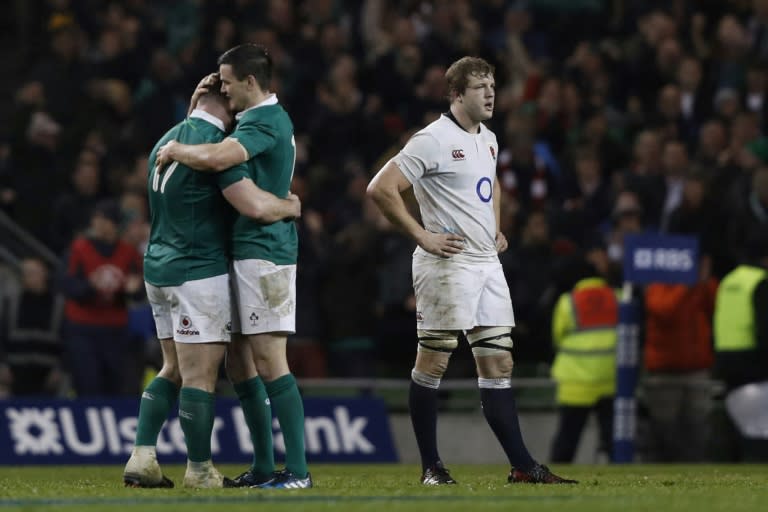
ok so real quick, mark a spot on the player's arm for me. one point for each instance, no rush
(215, 157)
(260, 205)
(386, 190)
(501, 239)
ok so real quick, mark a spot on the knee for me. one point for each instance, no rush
(170, 371)
(497, 366)
(434, 370)
(271, 368)
(434, 352)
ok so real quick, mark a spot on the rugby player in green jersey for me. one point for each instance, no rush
(264, 266)
(186, 269)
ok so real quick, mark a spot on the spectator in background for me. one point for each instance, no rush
(587, 201)
(307, 356)
(30, 334)
(712, 141)
(696, 216)
(395, 301)
(101, 275)
(72, 209)
(668, 120)
(751, 216)
(584, 325)
(644, 176)
(754, 96)
(695, 98)
(740, 319)
(528, 270)
(348, 277)
(677, 360)
(626, 219)
(731, 52)
(675, 165)
(741, 333)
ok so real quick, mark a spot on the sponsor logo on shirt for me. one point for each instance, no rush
(457, 154)
(186, 328)
(419, 316)
(493, 152)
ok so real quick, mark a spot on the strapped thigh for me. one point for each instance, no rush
(490, 341)
(438, 341)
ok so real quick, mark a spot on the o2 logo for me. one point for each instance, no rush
(484, 189)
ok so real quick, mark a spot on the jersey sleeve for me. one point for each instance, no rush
(256, 137)
(232, 175)
(418, 157)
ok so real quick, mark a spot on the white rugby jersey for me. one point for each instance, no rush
(452, 172)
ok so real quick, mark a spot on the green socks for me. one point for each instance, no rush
(289, 409)
(156, 403)
(258, 417)
(196, 416)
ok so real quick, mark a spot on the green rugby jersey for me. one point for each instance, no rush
(190, 219)
(266, 133)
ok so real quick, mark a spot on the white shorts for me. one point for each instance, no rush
(460, 295)
(193, 312)
(266, 297)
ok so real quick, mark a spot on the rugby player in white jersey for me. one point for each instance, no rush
(458, 280)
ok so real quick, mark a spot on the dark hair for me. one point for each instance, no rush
(214, 92)
(249, 59)
(458, 74)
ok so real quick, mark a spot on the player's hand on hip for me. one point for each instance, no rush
(295, 204)
(501, 242)
(165, 154)
(444, 245)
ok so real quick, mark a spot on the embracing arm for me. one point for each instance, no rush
(203, 157)
(261, 206)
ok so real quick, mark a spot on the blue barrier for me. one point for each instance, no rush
(103, 431)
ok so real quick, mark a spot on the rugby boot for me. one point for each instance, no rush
(143, 470)
(437, 475)
(539, 474)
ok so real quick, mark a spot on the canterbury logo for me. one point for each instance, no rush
(457, 154)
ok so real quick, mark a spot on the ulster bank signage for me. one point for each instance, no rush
(103, 431)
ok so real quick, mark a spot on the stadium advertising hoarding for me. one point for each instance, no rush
(661, 259)
(103, 431)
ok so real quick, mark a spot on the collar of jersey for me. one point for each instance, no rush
(450, 116)
(270, 100)
(205, 116)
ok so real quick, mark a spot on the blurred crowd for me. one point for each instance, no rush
(613, 117)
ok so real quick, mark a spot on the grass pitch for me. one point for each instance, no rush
(395, 488)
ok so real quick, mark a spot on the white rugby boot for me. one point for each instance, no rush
(143, 470)
(203, 475)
